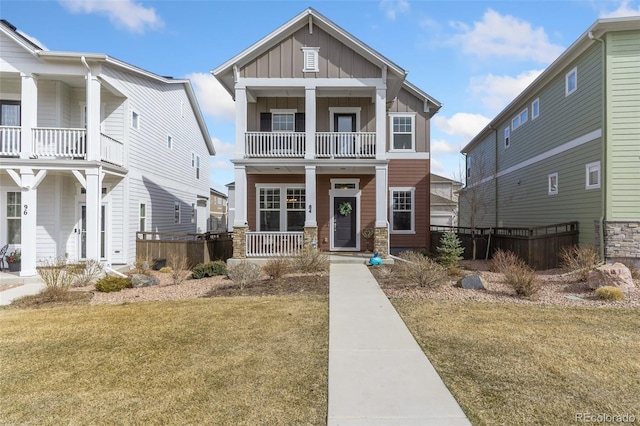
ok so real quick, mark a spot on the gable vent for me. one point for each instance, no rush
(310, 59)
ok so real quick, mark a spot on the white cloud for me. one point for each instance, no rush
(223, 149)
(214, 100)
(461, 124)
(623, 10)
(505, 35)
(437, 167)
(440, 146)
(123, 13)
(496, 91)
(393, 8)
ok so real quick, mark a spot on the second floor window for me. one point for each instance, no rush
(135, 120)
(571, 82)
(10, 113)
(402, 132)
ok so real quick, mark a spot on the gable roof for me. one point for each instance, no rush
(599, 28)
(437, 178)
(395, 74)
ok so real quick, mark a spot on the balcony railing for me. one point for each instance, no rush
(346, 145)
(59, 142)
(275, 144)
(111, 150)
(10, 141)
(273, 244)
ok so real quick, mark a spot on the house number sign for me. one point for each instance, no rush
(25, 209)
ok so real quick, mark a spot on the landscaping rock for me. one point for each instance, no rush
(140, 280)
(472, 282)
(616, 275)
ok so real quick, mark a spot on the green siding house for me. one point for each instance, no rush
(568, 147)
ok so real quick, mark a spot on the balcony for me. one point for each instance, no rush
(327, 145)
(64, 143)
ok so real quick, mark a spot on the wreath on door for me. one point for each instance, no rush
(345, 208)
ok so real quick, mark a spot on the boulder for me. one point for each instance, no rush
(472, 282)
(140, 280)
(616, 275)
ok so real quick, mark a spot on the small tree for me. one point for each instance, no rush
(450, 250)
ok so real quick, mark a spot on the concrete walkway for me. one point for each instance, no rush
(378, 375)
(25, 286)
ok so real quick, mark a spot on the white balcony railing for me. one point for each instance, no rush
(10, 141)
(59, 142)
(275, 144)
(272, 244)
(345, 145)
(111, 150)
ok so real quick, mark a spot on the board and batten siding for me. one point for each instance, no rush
(335, 59)
(623, 126)
(407, 102)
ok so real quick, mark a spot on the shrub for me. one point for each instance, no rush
(450, 250)
(503, 260)
(179, 264)
(53, 273)
(110, 283)
(244, 273)
(455, 271)
(610, 293)
(165, 270)
(277, 268)
(522, 279)
(579, 260)
(420, 270)
(210, 269)
(311, 260)
(84, 273)
(144, 264)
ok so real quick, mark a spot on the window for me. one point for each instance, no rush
(193, 213)
(468, 167)
(169, 142)
(135, 120)
(10, 113)
(143, 218)
(535, 109)
(519, 120)
(402, 132)
(507, 137)
(14, 232)
(283, 121)
(176, 212)
(593, 175)
(571, 82)
(402, 204)
(197, 167)
(274, 215)
(310, 59)
(219, 201)
(553, 184)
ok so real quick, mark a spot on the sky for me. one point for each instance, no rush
(472, 56)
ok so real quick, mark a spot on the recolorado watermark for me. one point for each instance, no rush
(605, 418)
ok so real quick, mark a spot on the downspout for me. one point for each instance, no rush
(495, 174)
(603, 165)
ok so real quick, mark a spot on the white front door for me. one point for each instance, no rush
(81, 231)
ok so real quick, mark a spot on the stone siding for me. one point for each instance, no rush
(622, 239)
(240, 242)
(381, 241)
(311, 236)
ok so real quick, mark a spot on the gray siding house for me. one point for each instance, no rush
(444, 200)
(568, 147)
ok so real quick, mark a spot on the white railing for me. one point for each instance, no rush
(275, 144)
(347, 145)
(111, 150)
(272, 244)
(58, 142)
(10, 141)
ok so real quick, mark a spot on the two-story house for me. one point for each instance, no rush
(444, 200)
(92, 150)
(217, 211)
(568, 147)
(332, 144)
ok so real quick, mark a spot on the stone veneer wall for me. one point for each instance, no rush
(622, 239)
(310, 234)
(240, 242)
(381, 241)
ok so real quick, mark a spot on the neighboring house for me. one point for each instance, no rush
(231, 207)
(218, 211)
(332, 144)
(568, 147)
(444, 200)
(94, 149)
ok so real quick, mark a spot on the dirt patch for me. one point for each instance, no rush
(300, 284)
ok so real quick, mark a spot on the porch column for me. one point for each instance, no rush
(241, 123)
(93, 118)
(310, 124)
(240, 218)
(28, 113)
(28, 223)
(381, 237)
(310, 196)
(381, 123)
(94, 195)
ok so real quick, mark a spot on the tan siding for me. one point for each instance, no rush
(406, 102)
(412, 173)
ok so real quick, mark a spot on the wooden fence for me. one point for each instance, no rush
(196, 248)
(539, 246)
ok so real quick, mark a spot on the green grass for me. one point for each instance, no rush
(513, 364)
(207, 361)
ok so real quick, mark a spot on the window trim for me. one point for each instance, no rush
(197, 167)
(412, 190)
(141, 217)
(567, 77)
(282, 187)
(535, 115)
(393, 115)
(135, 124)
(312, 54)
(596, 165)
(17, 218)
(291, 112)
(507, 137)
(176, 212)
(550, 189)
(518, 120)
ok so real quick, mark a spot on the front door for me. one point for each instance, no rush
(82, 232)
(345, 123)
(344, 222)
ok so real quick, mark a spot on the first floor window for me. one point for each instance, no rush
(553, 184)
(402, 132)
(14, 201)
(593, 175)
(176, 212)
(193, 213)
(296, 201)
(143, 218)
(277, 214)
(402, 210)
(269, 209)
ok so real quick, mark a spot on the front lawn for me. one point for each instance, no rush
(204, 361)
(513, 364)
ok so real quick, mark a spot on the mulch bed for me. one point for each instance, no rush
(309, 284)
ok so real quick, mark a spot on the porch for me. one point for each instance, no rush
(326, 145)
